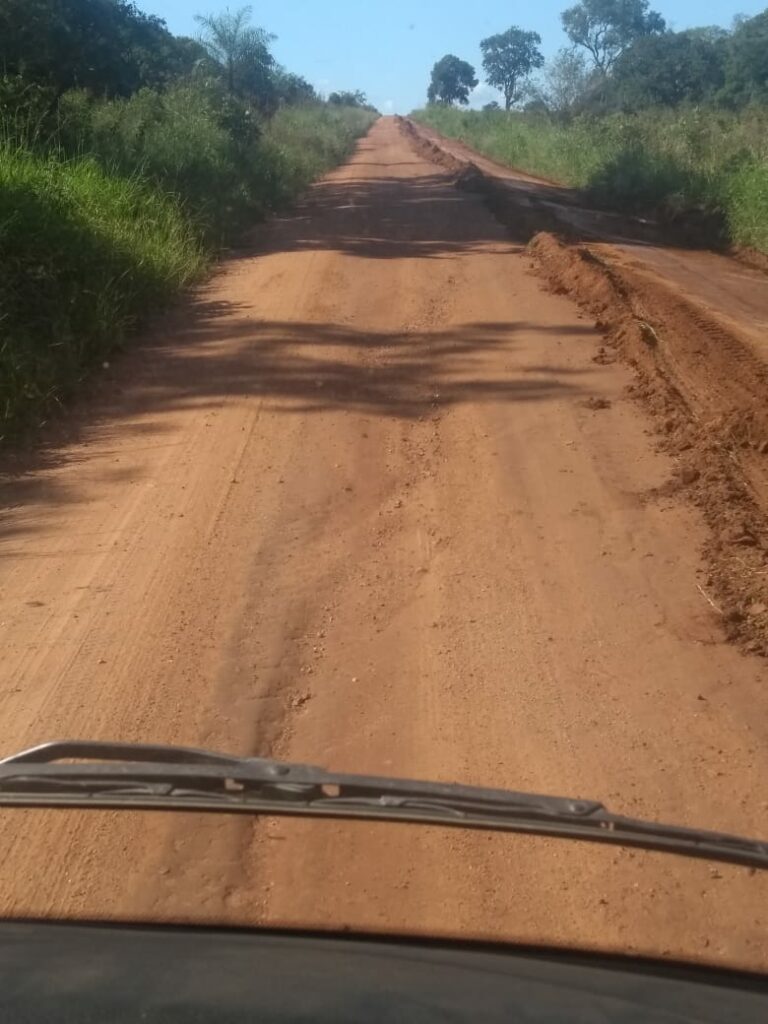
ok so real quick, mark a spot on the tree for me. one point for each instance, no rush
(604, 28)
(188, 56)
(566, 80)
(746, 70)
(348, 99)
(104, 46)
(293, 89)
(669, 69)
(242, 52)
(536, 105)
(710, 33)
(157, 56)
(452, 81)
(508, 60)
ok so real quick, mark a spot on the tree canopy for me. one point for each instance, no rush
(669, 69)
(107, 46)
(347, 98)
(291, 88)
(509, 58)
(746, 64)
(605, 28)
(452, 81)
(242, 50)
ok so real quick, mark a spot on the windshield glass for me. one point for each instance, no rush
(383, 388)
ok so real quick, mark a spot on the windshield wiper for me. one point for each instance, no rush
(142, 777)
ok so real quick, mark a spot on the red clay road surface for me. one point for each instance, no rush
(355, 505)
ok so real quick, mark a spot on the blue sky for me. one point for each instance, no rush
(387, 47)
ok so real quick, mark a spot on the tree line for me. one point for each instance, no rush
(112, 49)
(622, 56)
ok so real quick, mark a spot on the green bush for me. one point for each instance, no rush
(83, 254)
(191, 140)
(658, 160)
(636, 180)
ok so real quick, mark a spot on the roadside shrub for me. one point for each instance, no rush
(224, 162)
(84, 255)
(637, 181)
(183, 140)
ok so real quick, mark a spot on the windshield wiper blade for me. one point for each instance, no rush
(142, 777)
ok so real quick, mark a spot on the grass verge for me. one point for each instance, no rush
(667, 163)
(83, 254)
(89, 247)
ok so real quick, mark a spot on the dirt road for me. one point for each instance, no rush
(369, 502)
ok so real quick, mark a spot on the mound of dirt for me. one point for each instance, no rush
(703, 385)
(706, 393)
(430, 150)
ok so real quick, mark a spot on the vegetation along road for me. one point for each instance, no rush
(382, 496)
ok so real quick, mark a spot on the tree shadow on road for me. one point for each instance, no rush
(292, 367)
(309, 367)
(422, 217)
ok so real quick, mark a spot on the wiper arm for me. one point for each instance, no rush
(141, 777)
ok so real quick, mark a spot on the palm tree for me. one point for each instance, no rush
(239, 48)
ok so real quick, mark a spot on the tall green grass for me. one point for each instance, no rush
(109, 216)
(747, 204)
(83, 255)
(219, 157)
(663, 161)
(308, 141)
